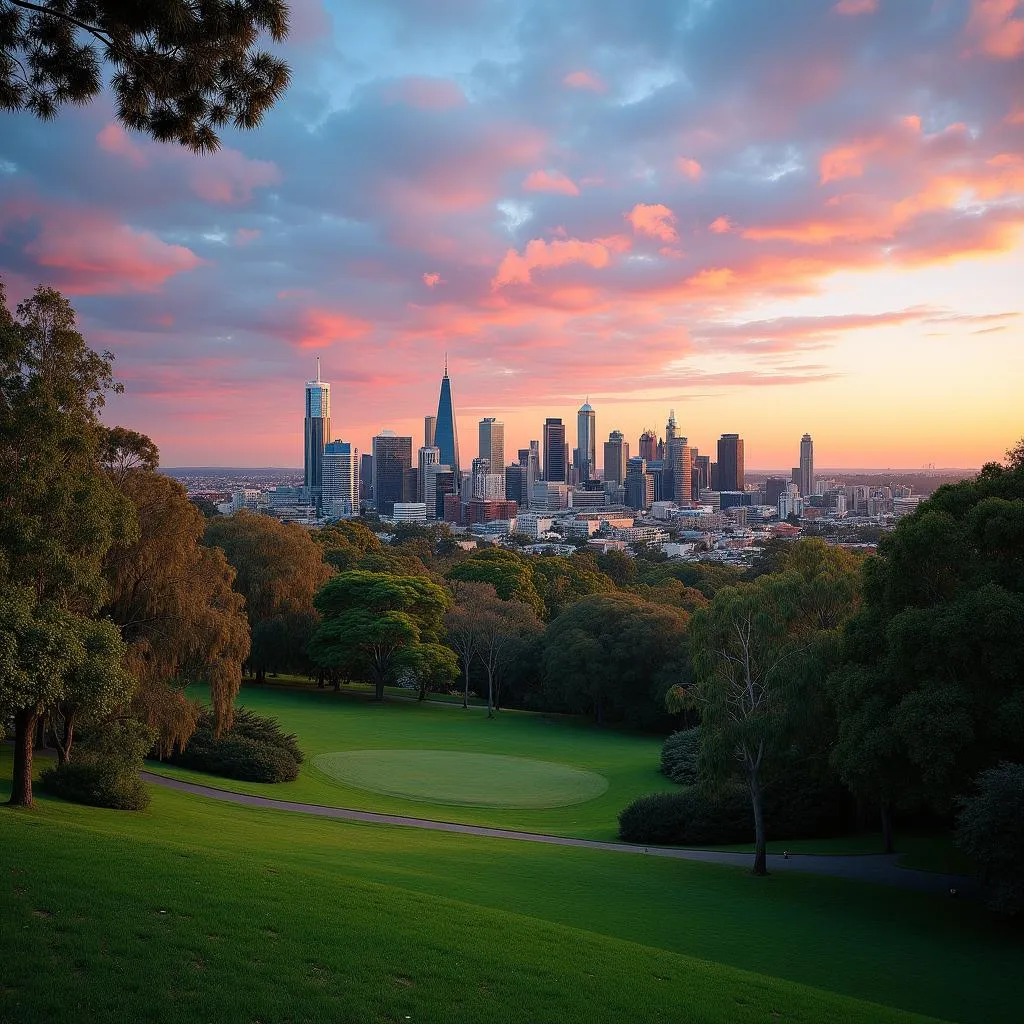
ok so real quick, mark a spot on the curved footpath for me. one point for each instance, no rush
(881, 869)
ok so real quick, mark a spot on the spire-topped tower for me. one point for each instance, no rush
(317, 433)
(671, 428)
(446, 433)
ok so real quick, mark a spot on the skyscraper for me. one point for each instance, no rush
(392, 460)
(428, 455)
(586, 441)
(679, 463)
(671, 428)
(492, 443)
(616, 452)
(429, 428)
(806, 466)
(639, 484)
(446, 432)
(649, 446)
(554, 450)
(340, 495)
(317, 431)
(730, 463)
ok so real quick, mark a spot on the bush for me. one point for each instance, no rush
(990, 830)
(105, 769)
(255, 749)
(798, 808)
(679, 756)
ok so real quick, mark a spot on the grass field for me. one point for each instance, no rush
(329, 723)
(198, 910)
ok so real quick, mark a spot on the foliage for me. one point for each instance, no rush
(207, 507)
(179, 71)
(105, 772)
(613, 656)
(346, 543)
(510, 574)
(503, 627)
(375, 623)
(990, 829)
(462, 626)
(255, 749)
(679, 756)
(560, 581)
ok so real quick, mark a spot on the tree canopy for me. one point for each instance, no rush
(180, 71)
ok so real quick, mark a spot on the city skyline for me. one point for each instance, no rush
(773, 218)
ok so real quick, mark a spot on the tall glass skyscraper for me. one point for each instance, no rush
(446, 431)
(318, 430)
(730, 463)
(340, 496)
(806, 466)
(586, 441)
(554, 450)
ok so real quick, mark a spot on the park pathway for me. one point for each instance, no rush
(881, 869)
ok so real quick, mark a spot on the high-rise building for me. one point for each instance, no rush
(366, 477)
(671, 428)
(492, 443)
(484, 484)
(649, 446)
(429, 428)
(701, 473)
(616, 452)
(439, 482)
(529, 459)
(730, 463)
(428, 455)
(554, 450)
(392, 460)
(639, 484)
(586, 441)
(515, 485)
(679, 463)
(446, 431)
(774, 488)
(806, 465)
(317, 431)
(340, 494)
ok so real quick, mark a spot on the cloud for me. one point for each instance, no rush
(720, 226)
(995, 29)
(847, 161)
(655, 220)
(424, 93)
(550, 181)
(322, 328)
(243, 236)
(689, 167)
(432, 280)
(540, 255)
(583, 80)
(852, 8)
(114, 139)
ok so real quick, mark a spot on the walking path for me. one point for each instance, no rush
(881, 869)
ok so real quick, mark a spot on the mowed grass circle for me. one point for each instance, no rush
(456, 777)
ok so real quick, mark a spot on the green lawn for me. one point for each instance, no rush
(328, 722)
(199, 910)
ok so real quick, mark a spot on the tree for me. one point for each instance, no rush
(279, 568)
(205, 505)
(180, 71)
(560, 581)
(510, 574)
(462, 626)
(375, 624)
(173, 601)
(61, 512)
(614, 656)
(346, 543)
(502, 625)
(434, 667)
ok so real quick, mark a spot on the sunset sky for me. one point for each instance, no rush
(775, 217)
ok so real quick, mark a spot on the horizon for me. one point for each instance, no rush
(773, 218)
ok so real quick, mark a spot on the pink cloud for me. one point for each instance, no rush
(655, 220)
(432, 280)
(583, 80)
(229, 177)
(550, 181)
(689, 167)
(720, 226)
(243, 236)
(425, 93)
(995, 28)
(852, 8)
(539, 255)
(114, 139)
(322, 328)
(848, 160)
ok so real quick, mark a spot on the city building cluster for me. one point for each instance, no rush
(669, 494)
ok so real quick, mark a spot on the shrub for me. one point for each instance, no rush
(990, 830)
(105, 769)
(255, 749)
(679, 756)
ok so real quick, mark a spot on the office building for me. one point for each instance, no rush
(549, 496)
(701, 473)
(317, 431)
(429, 429)
(671, 427)
(730, 463)
(616, 452)
(438, 483)
(679, 467)
(484, 484)
(649, 446)
(366, 477)
(555, 451)
(774, 487)
(492, 443)
(446, 431)
(409, 512)
(806, 481)
(340, 494)
(639, 484)
(427, 456)
(515, 485)
(392, 460)
(586, 442)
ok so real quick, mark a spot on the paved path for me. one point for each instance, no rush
(879, 868)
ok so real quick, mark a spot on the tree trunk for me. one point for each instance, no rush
(760, 843)
(64, 742)
(887, 845)
(423, 690)
(490, 692)
(24, 735)
(40, 733)
(465, 692)
(378, 688)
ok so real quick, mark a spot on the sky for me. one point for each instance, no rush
(770, 217)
